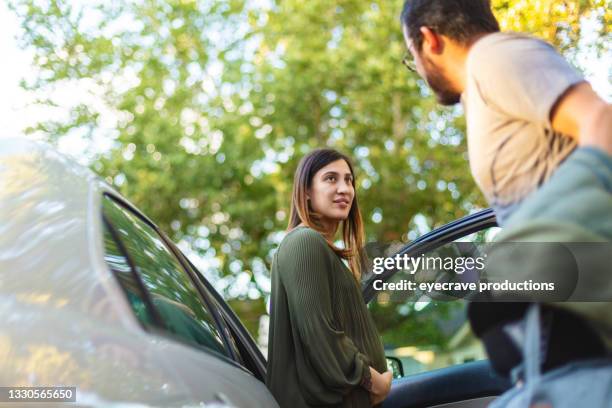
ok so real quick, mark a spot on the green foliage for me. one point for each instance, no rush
(213, 103)
(417, 328)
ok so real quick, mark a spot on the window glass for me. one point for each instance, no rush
(172, 293)
(232, 340)
(426, 333)
(120, 266)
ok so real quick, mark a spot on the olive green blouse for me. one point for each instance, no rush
(322, 337)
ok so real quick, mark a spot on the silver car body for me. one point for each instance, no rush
(65, 320)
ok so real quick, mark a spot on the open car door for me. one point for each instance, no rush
(437, 360)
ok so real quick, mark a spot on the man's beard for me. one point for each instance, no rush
(440, 85)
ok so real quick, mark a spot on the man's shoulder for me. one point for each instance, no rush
(507, 39)
(504, 47)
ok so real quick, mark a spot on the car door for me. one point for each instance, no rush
(184, 321)
(244, 346)
(443, 364)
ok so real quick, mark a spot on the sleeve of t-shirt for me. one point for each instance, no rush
(520, 76)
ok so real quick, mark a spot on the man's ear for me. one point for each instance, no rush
(431, 41)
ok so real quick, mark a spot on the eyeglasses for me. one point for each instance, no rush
(409, 62)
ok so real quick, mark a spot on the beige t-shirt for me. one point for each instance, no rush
(513, 82)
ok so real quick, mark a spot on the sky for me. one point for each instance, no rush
(13, 116)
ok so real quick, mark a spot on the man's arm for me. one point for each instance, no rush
(583, 115)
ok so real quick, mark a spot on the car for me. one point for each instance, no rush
(95, 296)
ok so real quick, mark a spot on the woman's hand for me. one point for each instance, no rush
(381, 385)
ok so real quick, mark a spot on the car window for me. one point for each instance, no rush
(173, 295)
(240, 343)
(231, 338)
(427, 333)
(119, 264)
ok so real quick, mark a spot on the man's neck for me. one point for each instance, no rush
(459, 53)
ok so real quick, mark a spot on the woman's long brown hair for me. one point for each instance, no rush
(302, 213)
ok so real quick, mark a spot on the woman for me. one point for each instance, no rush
(324, 349)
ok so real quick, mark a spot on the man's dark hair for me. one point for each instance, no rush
(459, 20)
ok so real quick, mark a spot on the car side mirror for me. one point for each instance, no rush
(395, 365)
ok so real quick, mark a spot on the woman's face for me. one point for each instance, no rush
(331, 193)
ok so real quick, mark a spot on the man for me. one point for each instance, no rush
(526, 107)
(539, 145)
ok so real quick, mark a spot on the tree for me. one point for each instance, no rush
(208, 106)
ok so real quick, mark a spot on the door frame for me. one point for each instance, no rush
(433, 239)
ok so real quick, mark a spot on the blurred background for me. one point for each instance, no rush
(198, 112)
